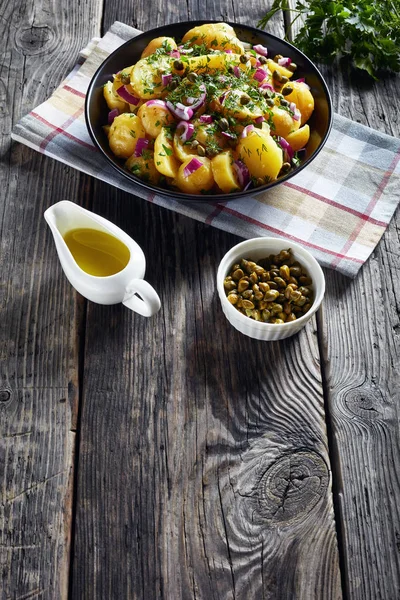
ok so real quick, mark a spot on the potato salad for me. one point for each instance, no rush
(208, 114)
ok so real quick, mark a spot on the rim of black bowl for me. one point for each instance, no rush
(204, 197)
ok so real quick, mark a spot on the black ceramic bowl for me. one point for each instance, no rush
(96, 109)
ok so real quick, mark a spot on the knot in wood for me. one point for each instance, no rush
(5, 395)
(292, 486)
(34, 40)
(364, 403)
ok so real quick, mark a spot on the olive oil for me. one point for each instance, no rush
(97, 252)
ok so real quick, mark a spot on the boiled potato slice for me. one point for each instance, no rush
(157, 43)
(165, 161)
(302, 98)
(113, 101)
(200, 181)
(154, 117)
(124, 133)
(146, 76)
(224, 173)
(261, 155)
(283, 123)
(182, 151)
(298, 139)
(216, 36)
(211, 62)
(143, 167)
(233, 107)
(273, 66)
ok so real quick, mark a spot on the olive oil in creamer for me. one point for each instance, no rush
(96, 252)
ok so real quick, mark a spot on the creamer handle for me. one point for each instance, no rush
(149, 302)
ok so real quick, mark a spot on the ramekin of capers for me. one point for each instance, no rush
(269, 287)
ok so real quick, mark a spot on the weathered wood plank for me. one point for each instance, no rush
(359, 336)
(361, 353)
(40, 314)
(204, 463)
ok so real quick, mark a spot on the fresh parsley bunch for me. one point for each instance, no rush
(366, 32)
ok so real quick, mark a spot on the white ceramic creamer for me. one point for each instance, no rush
(123, 286)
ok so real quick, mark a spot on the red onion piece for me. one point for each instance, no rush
(267, 86)
(259, 119)
(246, 187)
(284, 61)
(228, 136)
(175, 54)
(292, 107)
(302, 80)
(180, 111)
(206, 119)
(260, 49)
(156, 102)
(228, 51)
(185, 50)
(297, 115)
(112, 114)
(222, 97)
(141, 145)
(258, 64)
(192, 166)
(127, 96)
(247, 130)
(236, 71)
(286, 147)
(201, 99)
(188, 130)
(260, 75)
(166, 79)
(242, 173)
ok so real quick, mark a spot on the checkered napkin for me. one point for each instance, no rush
(338, 207)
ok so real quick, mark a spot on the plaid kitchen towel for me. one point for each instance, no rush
(338, 207)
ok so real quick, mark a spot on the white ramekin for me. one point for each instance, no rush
(255, 249)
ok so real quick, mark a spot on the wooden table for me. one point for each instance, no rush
(173, 457)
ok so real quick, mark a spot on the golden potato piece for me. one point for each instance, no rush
(216, 36)
(154, 117)
(182, 151)
(224, 173)
(146, 76)
(164, 158)
(169, 43)
(273, 66)
(124, 133)
(144, 168)
(197, 182)
(113, 101)
(298, 139)
(283, 122)
(261, 155)
(302, 97)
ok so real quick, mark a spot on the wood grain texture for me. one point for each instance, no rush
(359, 337)
(361, 353)
(40, 315)
(203, 469)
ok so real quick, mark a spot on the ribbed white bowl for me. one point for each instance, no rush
(255, 249)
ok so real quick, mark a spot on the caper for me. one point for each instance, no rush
(192, 76)
(304, 290)
(284, 79)
(229, 285)
(248, 294)
(276, 75)
(273, 285)
(264, 287)
(285, 168)
(305, 280)
(254, 277)
(260, 181)
(284, 272)
(292, 67)
(244, 99)
(291, 317)
(201, 151)
(277, 57)
(194, 144)
(284, 102)
(178, 65)
(233, 298)
(271, 295)
(247, 304)
(287, 90)
(281, 282)
(125, 78)
(295, 271)
(306, 307)
(262, 60)
(270, 102)
(244, 58)
(243, 285)
(223, 124)
(265, 314)
(237, 274)
(301, 301)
